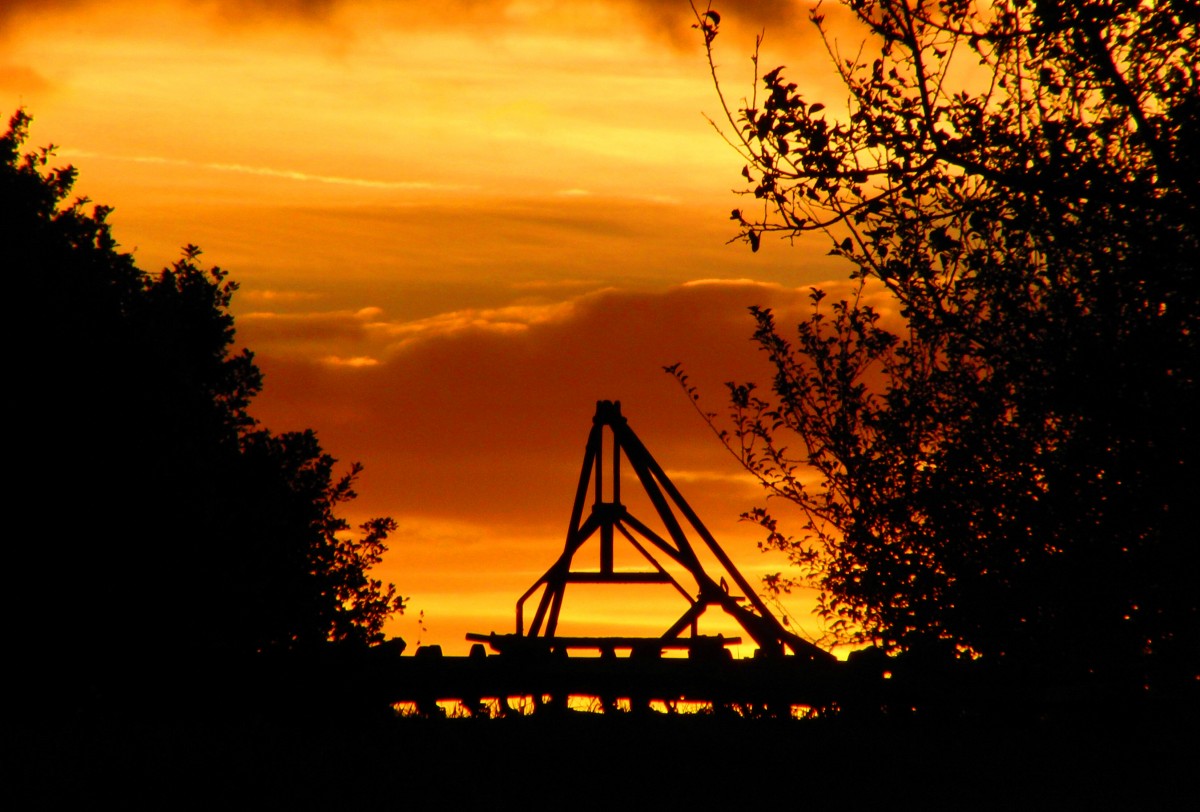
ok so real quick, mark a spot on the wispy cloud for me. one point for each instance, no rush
(272, 172)
(509, 319)
(277, 296)
(741, 282)
(357, 361)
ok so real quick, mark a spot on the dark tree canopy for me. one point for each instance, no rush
(161, 520)
(1009, 469)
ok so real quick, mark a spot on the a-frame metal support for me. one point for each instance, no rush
(609, 518)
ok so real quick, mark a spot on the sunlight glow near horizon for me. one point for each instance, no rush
(453, 235)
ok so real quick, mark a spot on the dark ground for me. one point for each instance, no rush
(1111, 760)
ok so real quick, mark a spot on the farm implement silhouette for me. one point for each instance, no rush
(538, 668)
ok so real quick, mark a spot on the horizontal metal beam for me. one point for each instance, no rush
(516, 642)
(617, 577)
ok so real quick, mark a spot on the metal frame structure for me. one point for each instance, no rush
(610, 520)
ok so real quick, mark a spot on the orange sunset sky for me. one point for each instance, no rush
(456, 226)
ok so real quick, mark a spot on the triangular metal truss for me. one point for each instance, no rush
(609, 521)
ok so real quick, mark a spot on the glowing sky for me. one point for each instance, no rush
(456, 226)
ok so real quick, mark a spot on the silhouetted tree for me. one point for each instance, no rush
(161, 521)
(1006, 469)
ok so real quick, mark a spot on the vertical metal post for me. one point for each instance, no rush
(599, 451)
(616, 470)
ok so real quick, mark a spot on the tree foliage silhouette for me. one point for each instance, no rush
(1008, 467)
(179, 524)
